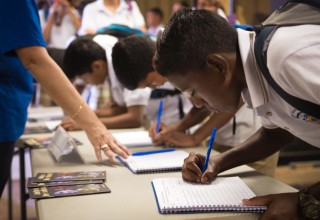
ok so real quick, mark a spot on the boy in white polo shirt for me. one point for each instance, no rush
(204, 56)
(89, 58)
(132, 61)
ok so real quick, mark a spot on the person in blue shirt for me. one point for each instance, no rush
(22, 51)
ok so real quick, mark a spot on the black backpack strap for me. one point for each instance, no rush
(161, 93)
(260, 50)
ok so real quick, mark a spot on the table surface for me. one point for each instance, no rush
(131, 195)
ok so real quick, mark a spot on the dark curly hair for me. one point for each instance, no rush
(188, 39)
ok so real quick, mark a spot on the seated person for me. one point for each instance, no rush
(89, 58)
(233, 128)
(154, 19)
(132, 62)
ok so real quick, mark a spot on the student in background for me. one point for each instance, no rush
(63, 22)
(102, 13)
(132, 62)
(43, 10)
(22, 51)
(89, 58)
(224, 71)
(137, 72)
(179, 5)
(154, 18)
(212, 6)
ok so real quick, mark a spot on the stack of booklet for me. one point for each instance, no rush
(49, 185)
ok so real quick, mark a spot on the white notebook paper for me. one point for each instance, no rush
(225, 194)
(133, 138)
(154, 163)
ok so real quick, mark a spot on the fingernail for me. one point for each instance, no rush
(204, 179)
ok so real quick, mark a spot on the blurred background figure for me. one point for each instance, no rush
(178, 5)
(154, 19)
(43, 10)
(63, 22)
(214, 6)
(102, 13)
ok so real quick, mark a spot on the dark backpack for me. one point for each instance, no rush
(294, 12)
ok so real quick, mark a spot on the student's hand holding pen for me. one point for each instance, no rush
(193, 166)
(159, 138)
(200, 169)
(192, 169)
(170, 137)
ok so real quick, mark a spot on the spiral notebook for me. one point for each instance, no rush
(156, 163)
(225, 194)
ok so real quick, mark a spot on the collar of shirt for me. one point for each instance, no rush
(257, 86)
(122, 7)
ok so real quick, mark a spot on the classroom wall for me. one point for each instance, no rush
(245, 9)
(165, 5)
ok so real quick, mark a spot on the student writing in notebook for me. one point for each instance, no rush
(89, 58)
(203, 55)
(132, 62)
(138, 72)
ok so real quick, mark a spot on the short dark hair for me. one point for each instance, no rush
(184, 3)
(57, 55)
(80, 54)
(188, 39)
(132, 60)
(156, 11)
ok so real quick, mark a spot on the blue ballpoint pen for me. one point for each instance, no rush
(213, 134)
(159, 116)
(142, 153)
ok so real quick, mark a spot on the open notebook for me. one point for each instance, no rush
(225, 194)
(133, 138)
(155, 163)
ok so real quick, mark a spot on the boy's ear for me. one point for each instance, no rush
(96, 65)
(217, 62)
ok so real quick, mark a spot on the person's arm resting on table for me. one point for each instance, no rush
(133, 118)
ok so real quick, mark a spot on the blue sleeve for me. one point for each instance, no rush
(20, 25)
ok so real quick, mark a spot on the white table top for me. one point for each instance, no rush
(131, 195)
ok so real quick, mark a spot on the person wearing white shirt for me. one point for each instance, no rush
(218, 68)
(62, 23)
(103, 13)
(89, 58)
(154, 18)
(132, 62)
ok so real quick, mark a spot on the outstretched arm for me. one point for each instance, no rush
(37, 61)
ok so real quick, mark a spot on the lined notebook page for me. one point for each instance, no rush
(160, 162)
(225, 194)
(133, 138)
